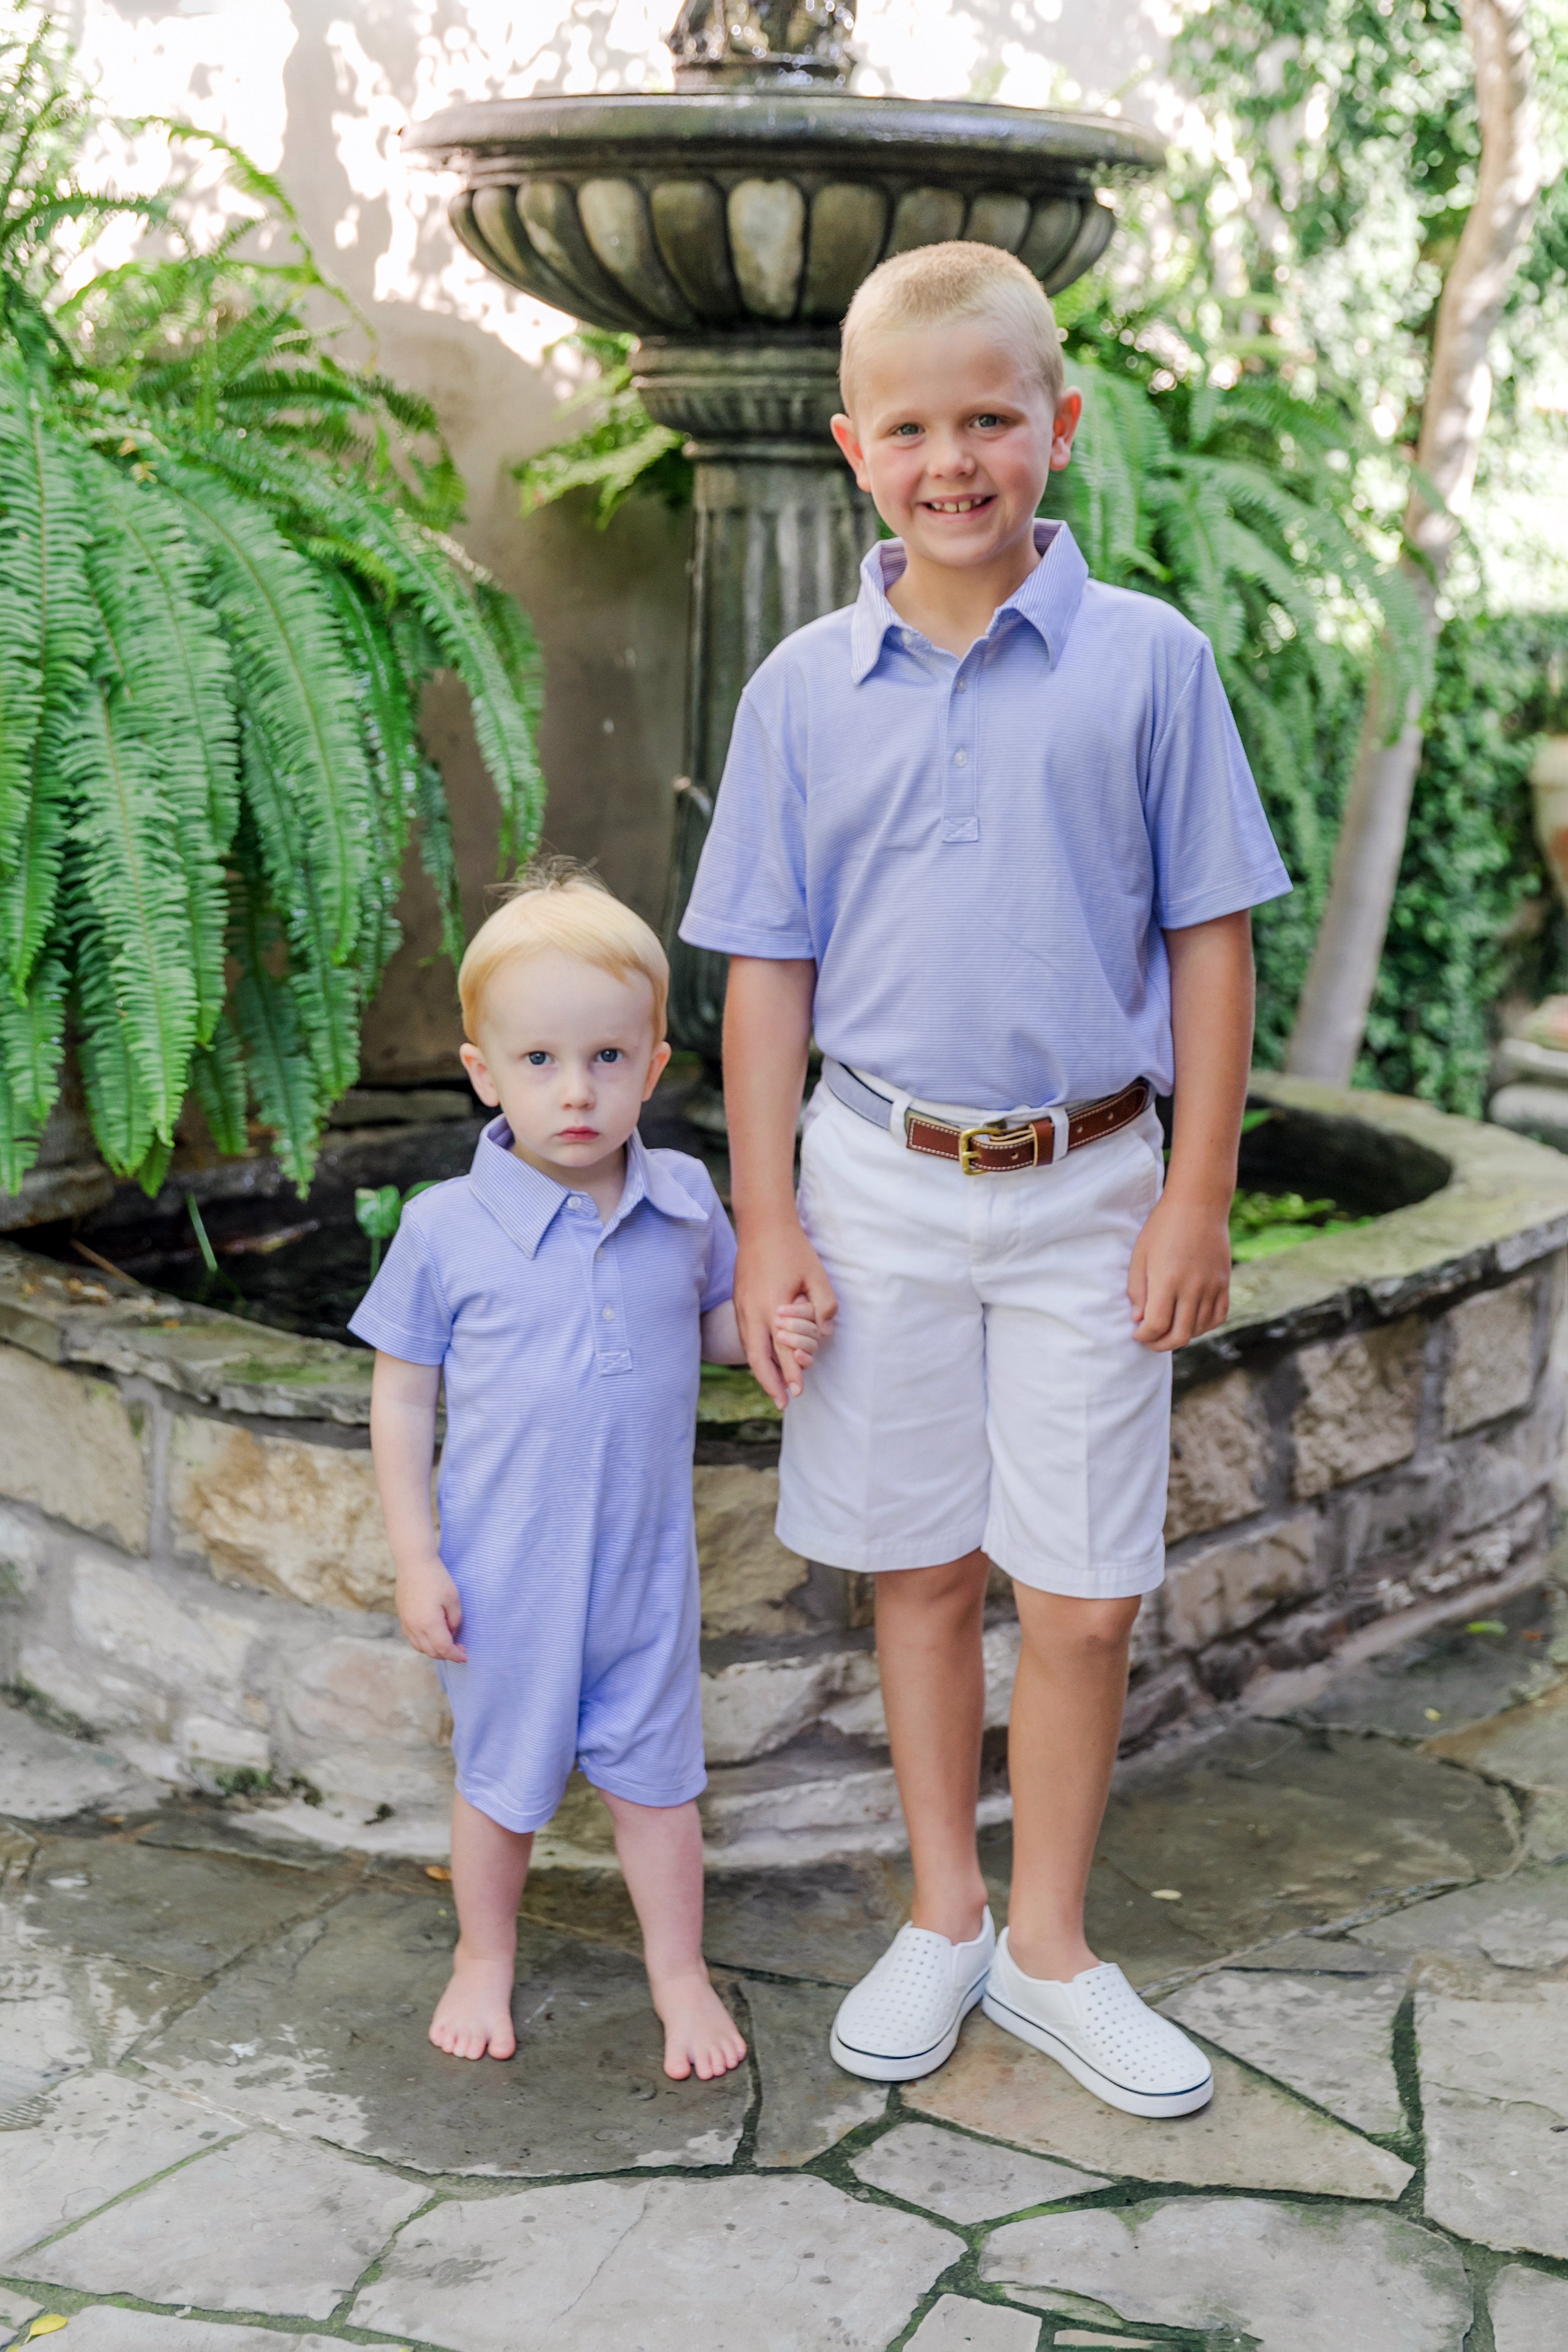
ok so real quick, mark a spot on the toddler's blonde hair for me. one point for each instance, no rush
(937, 284)
(555, 904)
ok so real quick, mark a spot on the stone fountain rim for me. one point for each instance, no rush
(839, 131)
(1503, 1205)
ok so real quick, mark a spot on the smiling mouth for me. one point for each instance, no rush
(958, 506)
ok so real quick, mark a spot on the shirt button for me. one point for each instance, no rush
(960, 759)
(962, 686)
(576, 1200)
(598, 1252)
(609, 1314)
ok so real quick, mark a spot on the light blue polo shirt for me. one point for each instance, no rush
(981, 856)
(570, 1352)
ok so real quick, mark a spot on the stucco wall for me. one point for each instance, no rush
(318, 90)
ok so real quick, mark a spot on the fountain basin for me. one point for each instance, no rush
(761, 211)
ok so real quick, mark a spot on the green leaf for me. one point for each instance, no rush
(377, 1210)
(278, 1064)
(217, 1081)
(130, 867)
(173, 667)
(295, 689)
(32, 1044)
(47, 643)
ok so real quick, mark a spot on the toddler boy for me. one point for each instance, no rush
(991, 833)
(563, 1291)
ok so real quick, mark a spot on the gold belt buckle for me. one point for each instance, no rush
(997, 1132)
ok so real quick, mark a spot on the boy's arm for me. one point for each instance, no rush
(721, 1340)
(1179, 1281)
(403, 1442)
(767, 1032)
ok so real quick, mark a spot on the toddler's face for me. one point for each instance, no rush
(568, 1053)
(953, 437)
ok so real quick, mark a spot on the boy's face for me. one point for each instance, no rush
(568, 1053)
(953, 437)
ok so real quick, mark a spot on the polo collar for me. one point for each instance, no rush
(1048, 599)
(525, 1203)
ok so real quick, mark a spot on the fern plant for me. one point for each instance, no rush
(620, 450)
(224, 574)
(1244, 502)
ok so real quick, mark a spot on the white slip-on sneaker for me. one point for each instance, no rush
(902, 2020)
(1097, 2028)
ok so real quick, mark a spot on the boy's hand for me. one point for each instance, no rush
(1179, 1279)
(777, 1270)
(430, 1610)
(796, 1338)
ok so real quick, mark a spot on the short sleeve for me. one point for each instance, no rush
(404, 1311)
(748, 898)
(1214, 852)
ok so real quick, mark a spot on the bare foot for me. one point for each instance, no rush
(473, 2016)
(700, 2037)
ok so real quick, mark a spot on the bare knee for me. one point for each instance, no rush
(1058, 1628)
(940, 1599)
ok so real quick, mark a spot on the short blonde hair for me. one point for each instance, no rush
(937, 284)
(556, 905)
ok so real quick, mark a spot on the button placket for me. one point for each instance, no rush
(960, 805)
(607, 1306)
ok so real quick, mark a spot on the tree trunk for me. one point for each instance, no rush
(1330, 1019)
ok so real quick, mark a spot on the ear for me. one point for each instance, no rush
(480, 1079)
(844, 432)
(1064, 425)
(657, 1066)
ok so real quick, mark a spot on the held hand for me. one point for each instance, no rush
(430, 1611)
(1179, 1279)
(777, 1269)
(796, 1338)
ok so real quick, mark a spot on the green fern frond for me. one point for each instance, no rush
(46, 647)
(32, 1044)
(121, 1114)
(277, 1065)
(439, 859)
(295, 688)
(217, 1082)
(127, 864)
(174, 669)
(325, 989)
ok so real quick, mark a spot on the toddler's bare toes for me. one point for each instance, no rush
(473, 2016)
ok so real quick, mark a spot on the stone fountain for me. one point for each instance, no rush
(727, 225)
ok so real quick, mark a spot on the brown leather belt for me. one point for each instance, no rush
(994, 1148)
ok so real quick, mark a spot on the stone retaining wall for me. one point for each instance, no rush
(191, 1561)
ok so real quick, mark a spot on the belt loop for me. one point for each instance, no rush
(1061, 1131)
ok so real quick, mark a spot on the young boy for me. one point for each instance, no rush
(990, 831)
(563, 1291)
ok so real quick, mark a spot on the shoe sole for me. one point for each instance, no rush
(1115, 2095)
(873, 2067)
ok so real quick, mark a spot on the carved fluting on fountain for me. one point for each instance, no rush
(727, 226)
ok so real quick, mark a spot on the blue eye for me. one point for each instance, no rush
(537, 1060)
(612, 1054)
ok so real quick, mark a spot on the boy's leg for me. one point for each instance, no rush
(489, 1865)
(1061, 1744)
(660, 1848)
(933, 1691)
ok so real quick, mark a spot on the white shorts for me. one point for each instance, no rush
(982, 1387)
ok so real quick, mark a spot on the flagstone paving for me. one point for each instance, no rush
(222, 2128)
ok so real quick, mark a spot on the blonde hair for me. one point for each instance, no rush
(937, 284)
(556, 905)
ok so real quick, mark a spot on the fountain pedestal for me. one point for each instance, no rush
(727, 225)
